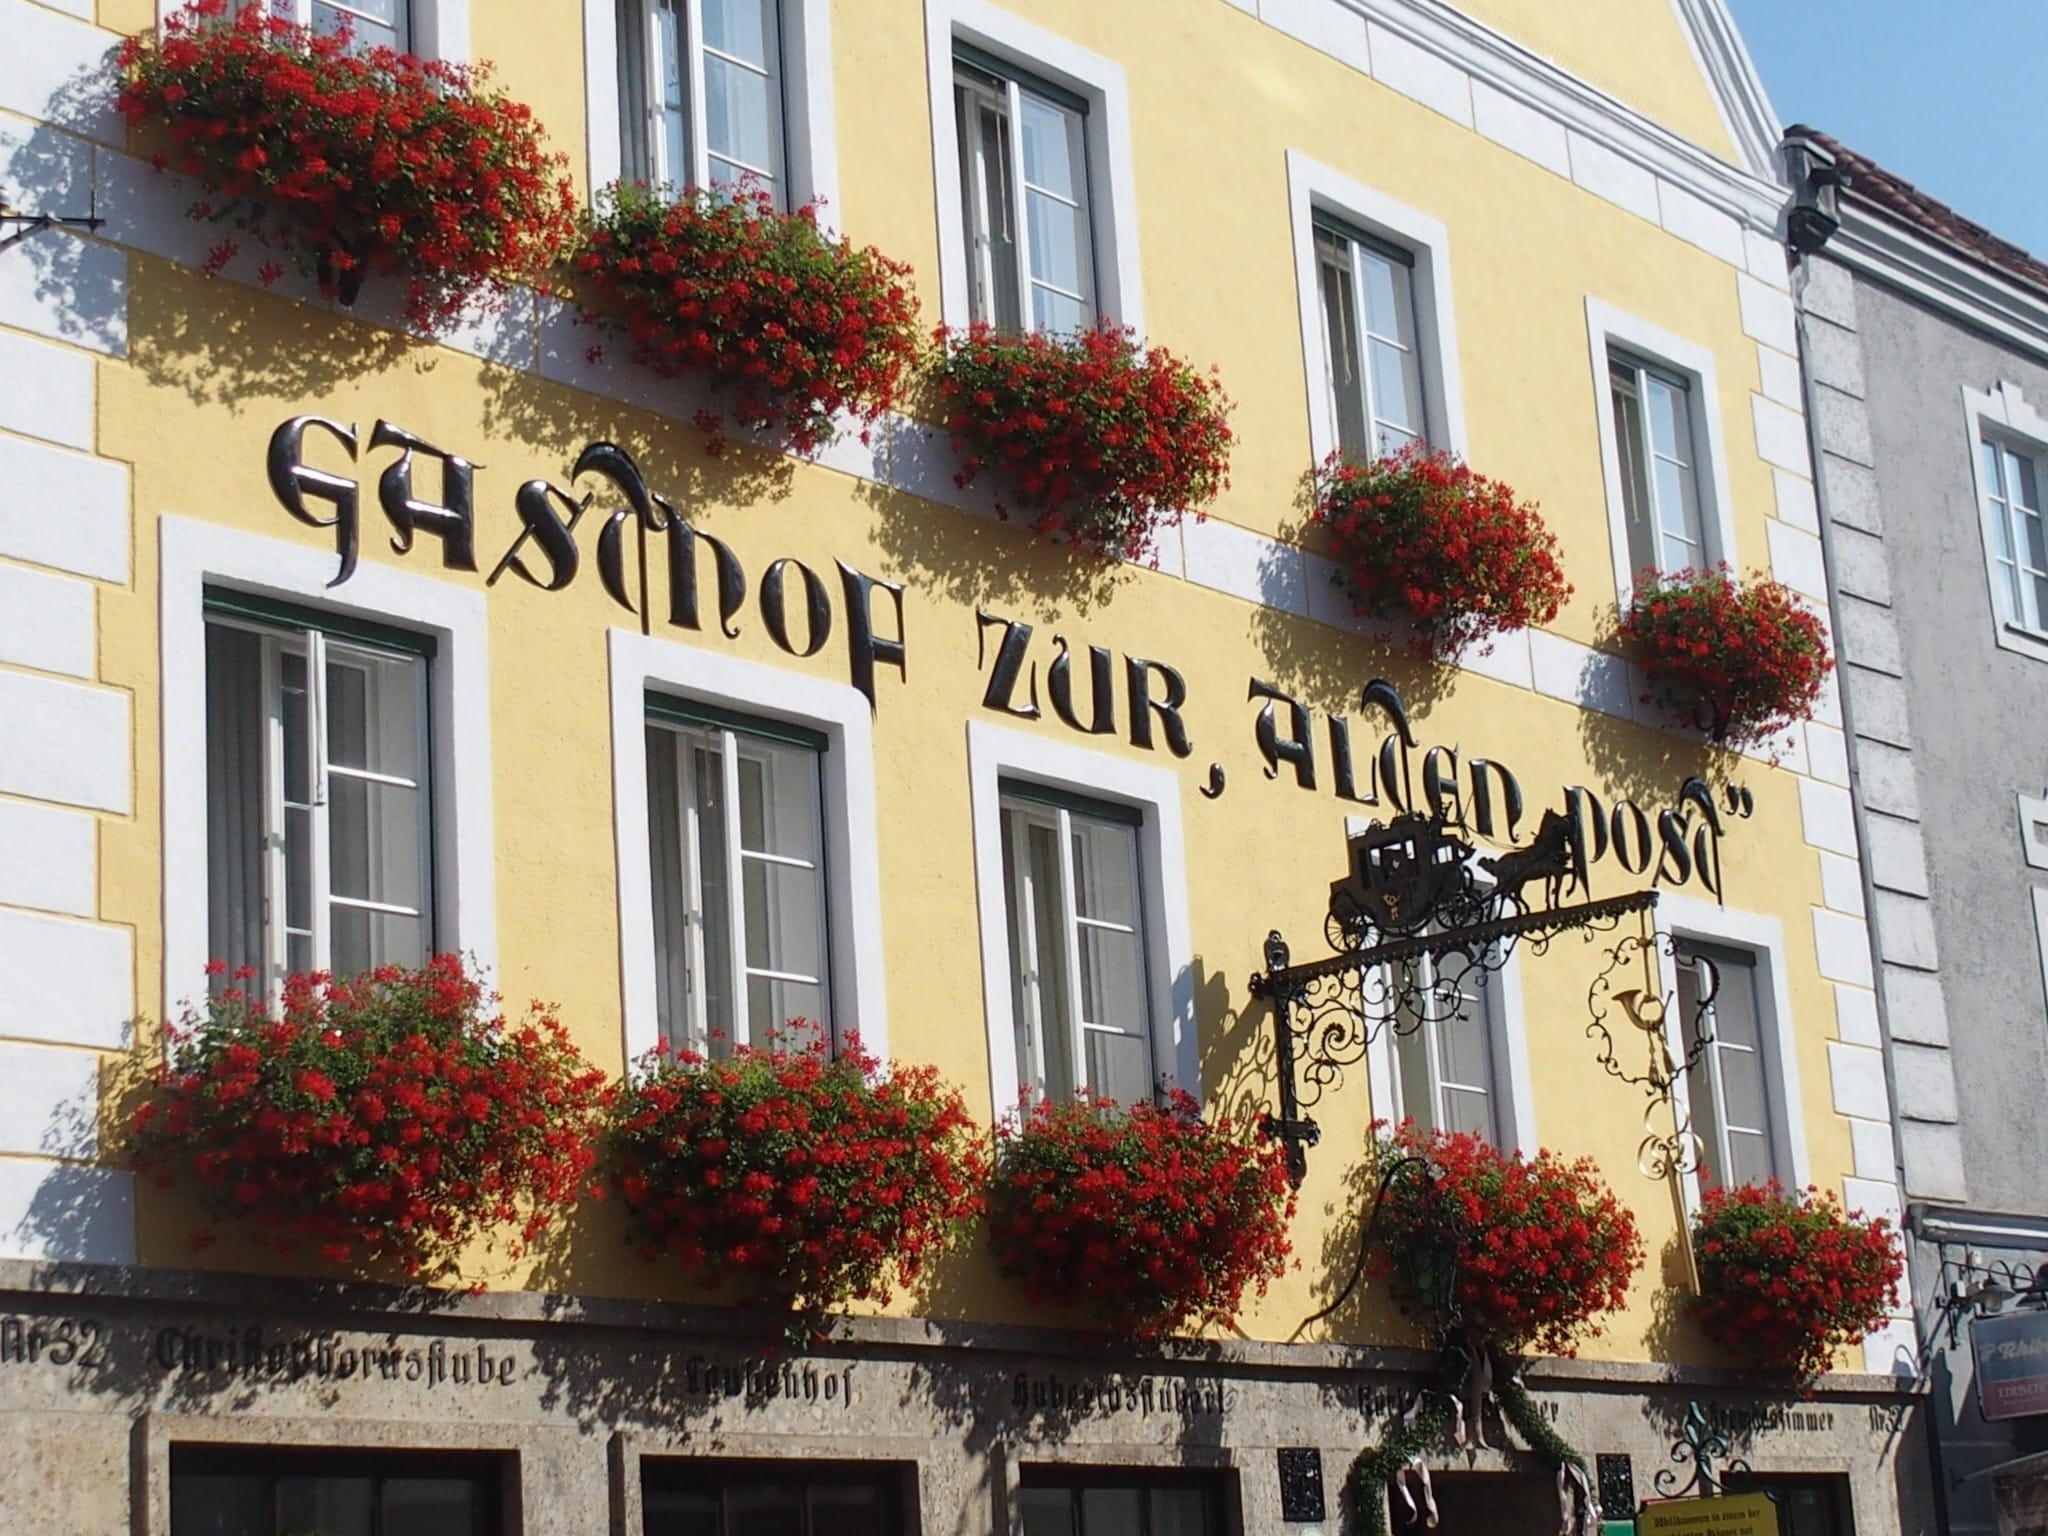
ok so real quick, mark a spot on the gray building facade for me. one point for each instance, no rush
(1925, 340)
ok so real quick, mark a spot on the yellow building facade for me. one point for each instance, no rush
(1570, 210)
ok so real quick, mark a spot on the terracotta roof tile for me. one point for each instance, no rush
(1871, 183)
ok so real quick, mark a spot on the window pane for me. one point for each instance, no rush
(1119, 1066)
(1735, 1000)
(1744, 1105)
(220, 1504)
(1037, 948)
(362, 939)
(714, 892)
(1632, 451)
(674, 130)
(1056, 254)
(1105, 871)
(1046, 1511)
(1341, 338)
(1052, 311)
(1055, 182)
(430, 1506)
(1112, 979)
(235, 795)
(679, 1512)
(369, 23)
(738, 103)
(636, 152)
(852, 1509)
(1396, 396)
(1180, 1512)
(1411, 1061)
(1468, 1113)
(764, 1510)
(779, 800)
(1749, 1158)
(986, 194)
(374, 840)
(1465, 1046)
(330, 1506)
(1052, 147)
(1112, 1511)
(671, 900)
(742, 28)
(785, 919)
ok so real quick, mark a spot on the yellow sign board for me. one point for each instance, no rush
(1742, 1514)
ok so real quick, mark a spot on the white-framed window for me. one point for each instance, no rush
(326, 761)
(432, 29)
(1031, 160)
(1729, 1088)
(701, 93)
(319, 837)
(369, 23)
(1373, 353)
(1657, 399)
(2009, 452)
(1073, 882)
(1378, 335)
(749, 884)
(705, 93)
(1741, 1092)
(736, 829)
(1660, 488)
(1459, 1061)
(1024, 197)
(1081, 884)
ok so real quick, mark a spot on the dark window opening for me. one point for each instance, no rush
(240, 1491)
(781, 1498)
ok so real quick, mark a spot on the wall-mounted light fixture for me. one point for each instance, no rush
(1817, 181)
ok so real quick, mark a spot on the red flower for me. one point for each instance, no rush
(1149, 1216)
(1536, 1249)
(794, 326)
(1786, 1281)
(368, 161)
(802, 1175)
(373, 1119)
(1420, 531)
(1102, 442)
(1742, 662)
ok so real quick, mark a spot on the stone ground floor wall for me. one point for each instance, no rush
(103, 1371)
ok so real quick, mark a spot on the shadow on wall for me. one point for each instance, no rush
(77, 284)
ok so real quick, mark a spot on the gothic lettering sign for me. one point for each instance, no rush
(656, 565)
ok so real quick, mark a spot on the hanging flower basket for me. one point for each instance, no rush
(1149, 1217)
(362, 163)
(1742, 661)
(1422, 534)
(392, 1116)
(1095, 441)
(806, 1178)
(1510, 1253)
(794, 325)
(1787, 1281)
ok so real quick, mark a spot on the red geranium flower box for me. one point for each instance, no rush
(1148, 1216)
(1515, 1252)
(1096, 441)
(796, 325)
(1420, 532)
(1786, 1281)
(360, 161)
(393, 1115)
(804, 1176)
(1742, 661)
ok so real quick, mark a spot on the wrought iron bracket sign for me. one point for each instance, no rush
(1423, 918)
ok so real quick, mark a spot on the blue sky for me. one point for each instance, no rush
(1944, 92)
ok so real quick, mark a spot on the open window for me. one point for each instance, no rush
(319, 834)
(700, 88)
(736, 828)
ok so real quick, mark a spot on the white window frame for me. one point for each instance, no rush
(641, 664)
(1611, 330)
(1681, 918)
(1112, 199)
(194, 555)
(2003, 415)
(733, 741)
(440, 28)
(996, 756)
(1314, 188)
(1514, 1097)
(810, 154)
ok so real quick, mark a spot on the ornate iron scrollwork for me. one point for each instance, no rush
(1420, 922)
(1701, 1453)
(1647, 1008)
